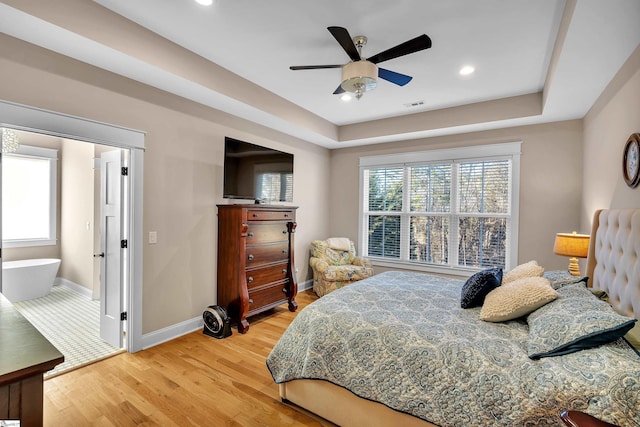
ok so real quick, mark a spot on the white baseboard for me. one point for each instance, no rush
(183, 328)
(71, 285)
(307, 284)
(171, 332)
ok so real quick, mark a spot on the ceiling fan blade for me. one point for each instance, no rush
(345, 40)
(393, 77)
(338, 91)
(313, 67)
(414, 45)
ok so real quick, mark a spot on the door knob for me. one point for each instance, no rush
(101, 255)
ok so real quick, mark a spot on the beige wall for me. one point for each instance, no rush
(50, 251)
(607, 126)
(77, 223)
(182, 170)
(550, 182)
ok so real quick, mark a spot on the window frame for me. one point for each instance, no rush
(510, 150)
(52, 156)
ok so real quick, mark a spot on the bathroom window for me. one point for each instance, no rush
(29, 181)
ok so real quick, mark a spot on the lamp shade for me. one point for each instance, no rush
(359, 77)
(572, 245)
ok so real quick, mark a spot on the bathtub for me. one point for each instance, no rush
(28, 278)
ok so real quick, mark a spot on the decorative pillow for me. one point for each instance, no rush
(633, 337)
(478, 286)
(575, 321)
(529, 269)
(339, 243)
(560, 278)
(516, 299)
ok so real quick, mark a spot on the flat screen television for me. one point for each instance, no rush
(256, 173)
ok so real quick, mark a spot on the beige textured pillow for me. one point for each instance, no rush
(529, 269)
(339, 243)
(517, 299)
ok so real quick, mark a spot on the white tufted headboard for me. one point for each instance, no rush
(614, 258)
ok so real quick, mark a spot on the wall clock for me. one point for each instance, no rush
(631, 161)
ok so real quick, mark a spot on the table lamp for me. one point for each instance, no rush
(573, 245)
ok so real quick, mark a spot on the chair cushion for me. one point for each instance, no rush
(338, 258)
(346, 273)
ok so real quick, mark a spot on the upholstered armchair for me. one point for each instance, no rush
(335, 264)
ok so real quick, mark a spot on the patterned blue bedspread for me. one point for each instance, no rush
(402, 339)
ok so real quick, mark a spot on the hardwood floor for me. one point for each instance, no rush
(193, 380)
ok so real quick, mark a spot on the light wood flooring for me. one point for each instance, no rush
(193, 380)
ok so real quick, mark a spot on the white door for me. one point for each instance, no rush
(111, 235)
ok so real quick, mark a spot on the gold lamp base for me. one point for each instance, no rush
(574, 268)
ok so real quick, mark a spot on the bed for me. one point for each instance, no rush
(397, 348)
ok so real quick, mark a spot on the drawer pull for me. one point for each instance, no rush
(284, 231)
(255, 215)
(284, 290)
(250, 257)
(286, 215)
(250, 234)
(250, 279)
(284, 251)
(284, 270)
(250, 301)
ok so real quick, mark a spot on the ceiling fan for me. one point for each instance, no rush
(360, 74)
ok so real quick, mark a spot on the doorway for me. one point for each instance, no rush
(81, 313)
(131, 143)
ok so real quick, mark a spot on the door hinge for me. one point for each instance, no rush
(125, 171)
(123, 244)
(123, 315)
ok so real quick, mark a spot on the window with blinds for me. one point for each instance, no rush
(449, 213)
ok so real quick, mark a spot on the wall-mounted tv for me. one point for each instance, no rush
(257, 173)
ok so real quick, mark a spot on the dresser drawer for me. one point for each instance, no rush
(265, 296)
(266, 254)
(262, 276)
(266, 215)
(267, 233)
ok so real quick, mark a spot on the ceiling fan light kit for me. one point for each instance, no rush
(359, 77)
(361, 74)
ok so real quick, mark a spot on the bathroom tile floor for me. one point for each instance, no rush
(71, 322)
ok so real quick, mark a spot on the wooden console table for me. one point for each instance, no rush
(25, 355)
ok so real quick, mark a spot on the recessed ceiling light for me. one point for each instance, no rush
(466, 70)
(346, 97)
(205, 2)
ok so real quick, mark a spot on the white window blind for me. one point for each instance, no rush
(385, 197)
(455, 213)
(484, 212)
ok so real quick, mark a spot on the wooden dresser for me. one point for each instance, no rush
(25, 355)
(256, 268)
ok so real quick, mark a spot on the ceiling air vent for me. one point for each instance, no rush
(414, 104)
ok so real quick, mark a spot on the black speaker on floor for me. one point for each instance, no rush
(216, 322)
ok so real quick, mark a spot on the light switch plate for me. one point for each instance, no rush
(153, 237)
